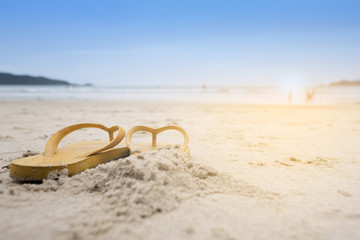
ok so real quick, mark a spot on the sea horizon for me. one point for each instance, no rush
(323, 95)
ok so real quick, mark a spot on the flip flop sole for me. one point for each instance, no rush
(36, 168)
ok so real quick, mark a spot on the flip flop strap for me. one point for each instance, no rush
(155, 132)
(52, 144)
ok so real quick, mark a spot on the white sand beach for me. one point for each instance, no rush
(255, 172)
(267, 91)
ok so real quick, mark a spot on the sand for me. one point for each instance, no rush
(255, 172)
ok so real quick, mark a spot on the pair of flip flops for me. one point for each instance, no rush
(77, 157)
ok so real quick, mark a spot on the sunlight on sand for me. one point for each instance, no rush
(255, 172)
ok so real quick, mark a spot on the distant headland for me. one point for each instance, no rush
(345, 83)
(11, 79)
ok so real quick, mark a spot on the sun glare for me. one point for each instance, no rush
(293, 82)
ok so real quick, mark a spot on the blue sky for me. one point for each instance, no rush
(132, 43)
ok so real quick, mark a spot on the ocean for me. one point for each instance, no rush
(238, 95)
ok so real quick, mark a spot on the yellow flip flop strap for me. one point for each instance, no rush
(155, 132)
(52, 144)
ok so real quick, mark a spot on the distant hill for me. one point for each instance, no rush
(345, 83)
(10, 79)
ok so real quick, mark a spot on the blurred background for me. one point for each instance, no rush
(243, 51)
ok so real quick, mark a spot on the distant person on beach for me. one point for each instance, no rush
(290, 96)
(310, 94)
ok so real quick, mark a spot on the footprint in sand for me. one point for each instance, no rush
(344, 193)
(292, 161)
(6, 138)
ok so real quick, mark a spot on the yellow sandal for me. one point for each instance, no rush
(154, 145)
(75, 157)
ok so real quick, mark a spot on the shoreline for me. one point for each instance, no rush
(257, 96)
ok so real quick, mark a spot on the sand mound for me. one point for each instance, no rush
(127, 190)
(144, 184)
